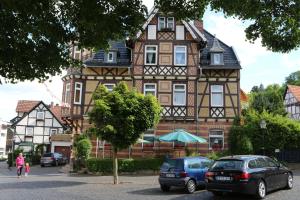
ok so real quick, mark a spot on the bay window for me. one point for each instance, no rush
(151, 55)
(179, 95)
(68, 93)
(180, 55)
(217, 95)
(77, 93)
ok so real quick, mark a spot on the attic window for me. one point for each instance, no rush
(110, 57)
(166, 23)
(161, 23)
(40, 115)
(217, 58)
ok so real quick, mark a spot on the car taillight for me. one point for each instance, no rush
(243, 176)
(52, 158)
(209, 174)
(183, 174)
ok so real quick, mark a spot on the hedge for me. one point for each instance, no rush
(125, 165)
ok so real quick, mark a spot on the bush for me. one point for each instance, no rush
(83, 149)
(125, 165)
(239, 141)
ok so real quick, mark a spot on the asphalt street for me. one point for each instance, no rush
(48, 184)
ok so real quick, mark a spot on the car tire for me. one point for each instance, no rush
(42, 165)
(289, 184)
(261, 190)
(190, 186)
(165, 188)
(217, 193)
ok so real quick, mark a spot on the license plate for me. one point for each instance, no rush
(170, 175)
(223, 178)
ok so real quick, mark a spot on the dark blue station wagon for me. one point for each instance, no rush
(188, 172)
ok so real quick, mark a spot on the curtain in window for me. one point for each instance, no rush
(179, 98)
(151, 58)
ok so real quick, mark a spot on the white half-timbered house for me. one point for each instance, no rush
(35, 124)
(292, 101)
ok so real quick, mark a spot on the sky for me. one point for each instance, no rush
(258, 66)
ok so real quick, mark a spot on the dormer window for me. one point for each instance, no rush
(110, 57)
(216, 53)
(166, 23)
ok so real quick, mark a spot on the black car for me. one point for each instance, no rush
(249, 174)
(53, 159)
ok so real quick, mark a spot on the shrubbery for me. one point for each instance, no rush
(125, 165)
(281, 133)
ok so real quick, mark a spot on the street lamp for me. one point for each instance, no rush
(263, 126)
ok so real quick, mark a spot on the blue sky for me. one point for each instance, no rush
(259, 66)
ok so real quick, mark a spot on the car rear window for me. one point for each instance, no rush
(228, 165)
(47, 155)
(173, 163)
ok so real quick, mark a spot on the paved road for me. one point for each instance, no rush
(48, 184)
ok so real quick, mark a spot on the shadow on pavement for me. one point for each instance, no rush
(38, 184)
(157, 191)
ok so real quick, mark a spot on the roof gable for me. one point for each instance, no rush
(295, 90)
(26, 105)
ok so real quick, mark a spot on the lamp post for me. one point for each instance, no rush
(263, 126)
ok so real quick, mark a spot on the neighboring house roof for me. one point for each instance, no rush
(231, 60)
(243, 96)
(26, 105)
(295, 90)
(123, 56)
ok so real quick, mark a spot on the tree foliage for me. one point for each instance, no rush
(281, 132)
(83, 149)
(121, 116)
(269, 99)
(35, 35)
(275, 22)
(293, 78)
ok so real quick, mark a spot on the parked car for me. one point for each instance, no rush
(53, 159)
(249, 174)
(188, 172)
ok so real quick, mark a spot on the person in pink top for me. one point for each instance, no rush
(20, 164)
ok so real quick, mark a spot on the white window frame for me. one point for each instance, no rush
(109, 84)
(29, 127)
(151, 51)
(37, 115)
(159, 20)
(217, 63)
(76, 89)
(112, 57)
(52, 131)
(211, 95)
(174, 90)
(68, 90)
(185, 51)
(150, 90)
(151, 32)
(212, 135)
(173, 22)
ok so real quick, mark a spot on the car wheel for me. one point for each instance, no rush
(217, 193)
(261, 189)
(289, 184)
(190, 186)
(42, 165)
(165, 188)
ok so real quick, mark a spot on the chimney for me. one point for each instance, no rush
(199, 25)
(51, 105)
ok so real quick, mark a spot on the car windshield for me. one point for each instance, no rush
(47, 155)
(228, 165)
(172, 164)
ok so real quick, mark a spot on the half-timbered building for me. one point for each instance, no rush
(195, 77)
(35, 123)
(292, 101)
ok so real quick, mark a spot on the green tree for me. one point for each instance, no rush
(83, 149)
(293, 79)
(269, 99)
(35, 35)
(121, 116)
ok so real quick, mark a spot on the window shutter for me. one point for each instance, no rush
(151, 32)
(179, 32)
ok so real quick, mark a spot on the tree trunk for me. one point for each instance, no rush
(115, 166)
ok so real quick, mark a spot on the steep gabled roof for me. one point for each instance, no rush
(196, 34)
(26, 105)
(295, 90)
